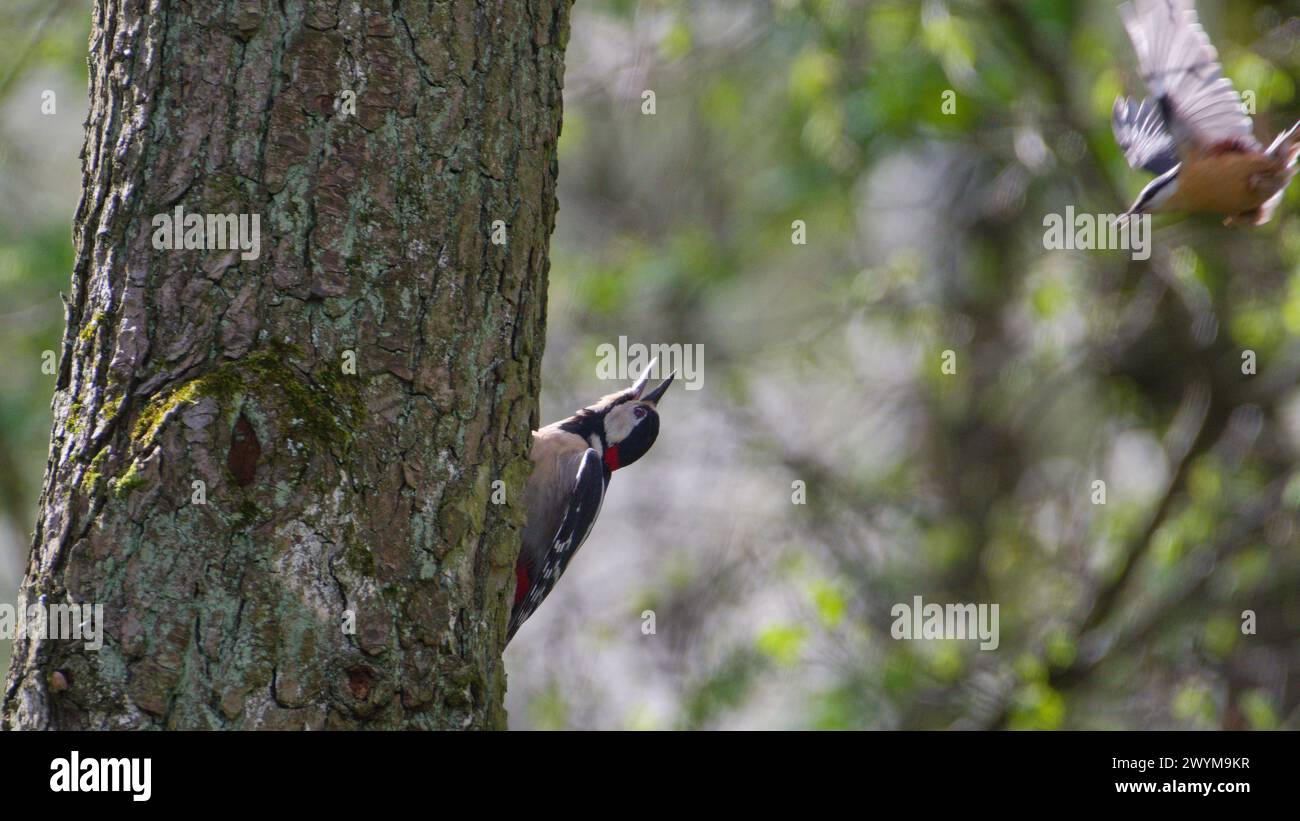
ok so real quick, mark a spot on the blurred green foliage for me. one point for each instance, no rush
(925, 234)
(924, 226)
(42, 51)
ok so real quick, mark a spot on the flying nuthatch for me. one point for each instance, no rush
(572, 462)
(1194, 133)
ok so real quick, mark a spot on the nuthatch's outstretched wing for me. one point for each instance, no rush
(1140, 131)
(1200, 108)
(574, 504)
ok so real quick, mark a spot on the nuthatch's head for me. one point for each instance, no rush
(1153, 198)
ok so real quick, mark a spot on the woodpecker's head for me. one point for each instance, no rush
(627, 422)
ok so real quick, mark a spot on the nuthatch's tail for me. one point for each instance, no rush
(1287, 145)
(1287, 149)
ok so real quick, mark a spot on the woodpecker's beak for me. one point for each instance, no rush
(639, 385)
(653, 396)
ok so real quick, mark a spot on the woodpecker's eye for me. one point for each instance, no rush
(639, 412)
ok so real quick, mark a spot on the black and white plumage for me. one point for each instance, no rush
(1198, 105)
(1140, 131)
(573, 460)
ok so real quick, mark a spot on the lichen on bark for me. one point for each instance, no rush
(251, 455)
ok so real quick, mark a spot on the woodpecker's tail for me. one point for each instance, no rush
(1287, 145)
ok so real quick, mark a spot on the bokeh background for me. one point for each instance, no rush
(822, 366)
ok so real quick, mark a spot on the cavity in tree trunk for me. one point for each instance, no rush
(250, 457)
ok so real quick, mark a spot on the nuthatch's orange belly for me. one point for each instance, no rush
(1221, 183)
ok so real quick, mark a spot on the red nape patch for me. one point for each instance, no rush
(611, 457)
(521, 583)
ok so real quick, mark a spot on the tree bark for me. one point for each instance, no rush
(328, 492)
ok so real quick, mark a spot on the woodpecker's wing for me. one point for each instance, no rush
(1140, 132)
(542, 565)
(1198, 105)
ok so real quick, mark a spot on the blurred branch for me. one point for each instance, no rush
(1035, 46)
(13, 493)
(1188, 435)
(1164, 611)
(1095, 648)
(20, 63)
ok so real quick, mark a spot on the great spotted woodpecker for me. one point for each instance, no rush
(1195, 135)
(572, 462)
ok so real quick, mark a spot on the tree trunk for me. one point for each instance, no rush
(276, 474)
